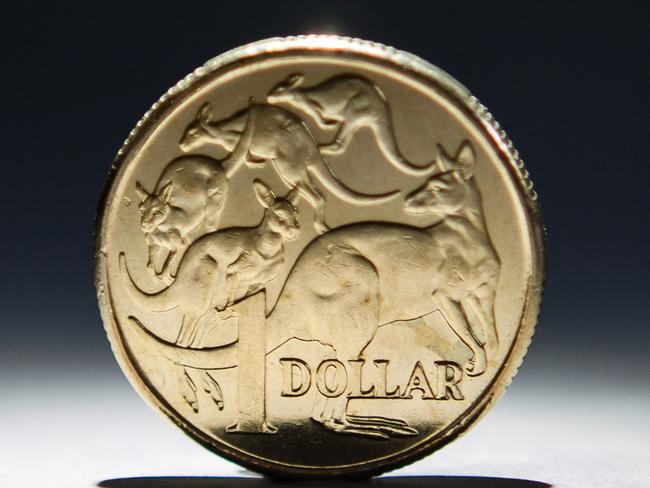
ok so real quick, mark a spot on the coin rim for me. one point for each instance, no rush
(475, 113)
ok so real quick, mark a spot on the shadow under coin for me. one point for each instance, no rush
(387, 482)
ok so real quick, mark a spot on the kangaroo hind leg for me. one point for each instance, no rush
(187, 387)
(483, 302)
(459, 323)
(309, 191)
(354, 323)
(189, 330)
(348, 303)
(472, 312)
(342, 138)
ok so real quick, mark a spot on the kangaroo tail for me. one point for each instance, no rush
(220, 357)
(325, 174)
(388, 146)
(239, 154)
(150, 302)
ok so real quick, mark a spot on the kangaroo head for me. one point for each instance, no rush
(197, 129)
(285, 90)
(153, 208)
(281, 213)
(449, 190)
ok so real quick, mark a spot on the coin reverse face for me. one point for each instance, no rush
(319, 257)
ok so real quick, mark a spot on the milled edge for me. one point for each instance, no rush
(401, 60)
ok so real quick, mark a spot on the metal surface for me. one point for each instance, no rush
(319, 257)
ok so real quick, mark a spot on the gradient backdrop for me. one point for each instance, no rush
(568, 83)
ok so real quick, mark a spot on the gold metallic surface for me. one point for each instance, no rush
(319, 257)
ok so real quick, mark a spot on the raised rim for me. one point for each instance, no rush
(475, 112)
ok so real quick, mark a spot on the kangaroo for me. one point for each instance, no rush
(346, 103)
(186, 202)
(225, 266)
(281, 138)
(357, 278)
(466, 282)
(225, 133)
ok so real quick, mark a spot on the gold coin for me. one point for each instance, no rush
(319, 256)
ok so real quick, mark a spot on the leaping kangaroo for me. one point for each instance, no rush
(346, 103)
(280, 137)
(354, 279)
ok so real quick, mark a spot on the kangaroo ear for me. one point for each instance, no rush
(263, 193)
(465, 160)
(141, 192)
(165, 192)
(205, 112)
(292, 196)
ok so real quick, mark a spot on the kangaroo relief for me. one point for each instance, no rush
(225, 133)
(346, 103)
(348, 283)
(225, 266)
(280, 138)
(465, 285)
(186, 202)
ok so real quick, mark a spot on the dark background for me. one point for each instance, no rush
(569, 84)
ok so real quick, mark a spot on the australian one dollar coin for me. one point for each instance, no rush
(319, 257)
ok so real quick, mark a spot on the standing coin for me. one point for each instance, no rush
(319, 257)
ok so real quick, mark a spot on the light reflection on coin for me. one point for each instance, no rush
(334, 265)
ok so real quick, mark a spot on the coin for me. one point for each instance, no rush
(319, 256)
